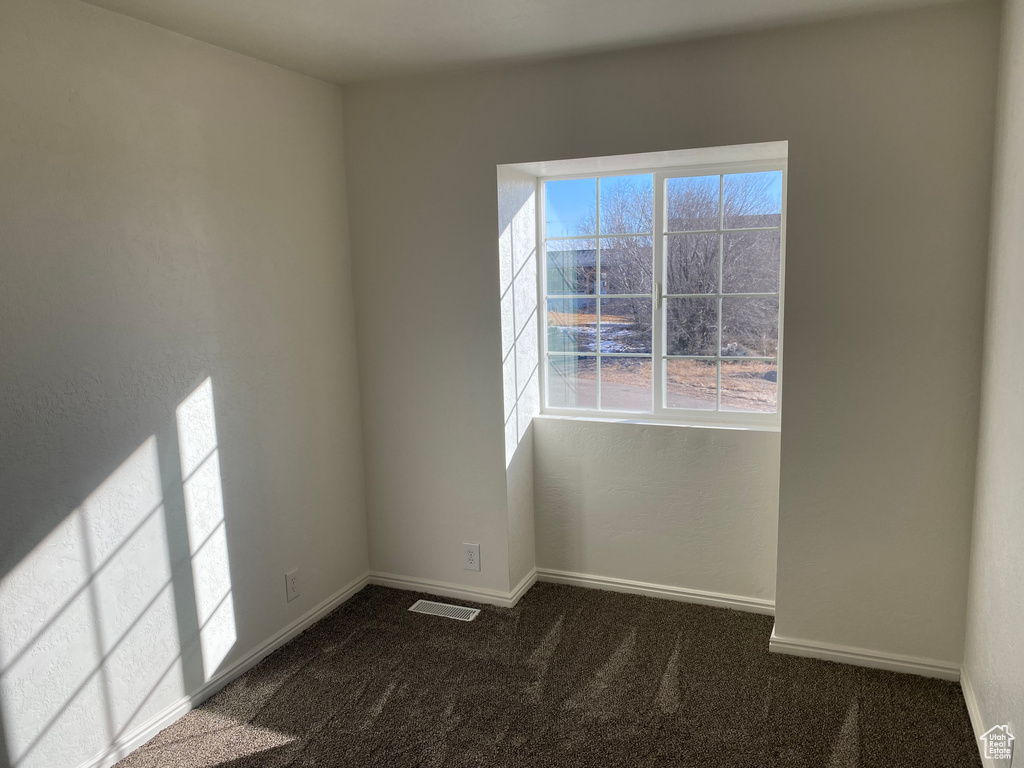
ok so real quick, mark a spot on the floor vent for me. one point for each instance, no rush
(443, 609)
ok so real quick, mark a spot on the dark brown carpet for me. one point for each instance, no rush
(570, 677)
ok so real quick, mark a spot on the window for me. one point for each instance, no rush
(662, 292)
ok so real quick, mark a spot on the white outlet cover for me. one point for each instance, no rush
(470, 556)
(291, 584)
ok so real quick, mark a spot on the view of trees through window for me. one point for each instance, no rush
(712, 291)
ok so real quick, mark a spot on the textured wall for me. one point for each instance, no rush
(522, 555)
(179, 417)
(994, 656)
(887, 236)
(517, 264)
(517, 271)
(685, 507)
(889, 120)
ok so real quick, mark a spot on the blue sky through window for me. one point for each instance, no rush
(570, 202)
(567, 204)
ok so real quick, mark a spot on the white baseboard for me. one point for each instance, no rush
(150, 728)
(716, 599)
(524, 586)
(458, 591)
(864, 658)
(974, 712)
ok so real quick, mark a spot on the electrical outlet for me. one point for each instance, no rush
(471, 557)
(291, 583)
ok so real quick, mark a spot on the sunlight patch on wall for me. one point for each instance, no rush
(88, 630)
(204, 512)
(517, 243)
(91, 634)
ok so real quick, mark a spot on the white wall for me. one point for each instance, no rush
(677, 506)
(994, 656)
(522, 554)
(179, 419)
(889, 179)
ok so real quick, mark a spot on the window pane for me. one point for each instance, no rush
(691, 326)
(626, 325)
(751, 262)
(572, 381)
(691, 384)
(750, 327)
(627, 204)
(749, 385)
(570, 207)
(691, 263)
(691, 203)
(572, 325)
(626, 384)
(572, 266)
(627, 264)
(753, 199)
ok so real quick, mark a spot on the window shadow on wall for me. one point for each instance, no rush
(517, 255)
(126, 605)
(4, 752)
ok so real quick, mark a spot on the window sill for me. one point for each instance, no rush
(656, 422)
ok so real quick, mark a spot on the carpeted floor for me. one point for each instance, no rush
(569, 677)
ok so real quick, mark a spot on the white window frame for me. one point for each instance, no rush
(660, 413)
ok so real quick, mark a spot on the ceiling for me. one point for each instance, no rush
(349, 40)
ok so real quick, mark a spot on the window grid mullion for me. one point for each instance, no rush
(602, 295)
(721, 259)
(562, 353)
(541, 254)
(563, 238)
(713, 231)
(664, 295)
(724, 358)
(716, 296)
(658, 369)
(597, 286)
